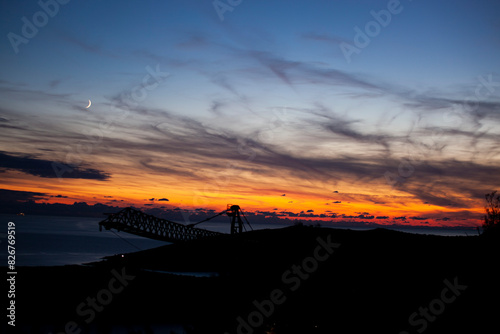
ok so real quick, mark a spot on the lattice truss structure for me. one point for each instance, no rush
(137, 222)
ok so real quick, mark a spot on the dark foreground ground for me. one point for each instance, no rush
(292, 280)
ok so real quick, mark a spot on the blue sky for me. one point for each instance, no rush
(271, 76)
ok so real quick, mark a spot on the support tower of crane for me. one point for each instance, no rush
(233, 211)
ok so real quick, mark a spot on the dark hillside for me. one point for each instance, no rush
(291, 280)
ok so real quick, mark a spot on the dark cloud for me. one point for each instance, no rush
(364, 215)
(13, 202)
(7, 124)
(48, 168)
(382, 217)
(20, 196)
(288, 214)
(60, 196)
(163, 199)
(348, 216)
(418, 218)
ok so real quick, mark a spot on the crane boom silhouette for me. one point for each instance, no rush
(136, 222)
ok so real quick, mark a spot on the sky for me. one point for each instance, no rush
(352, 111)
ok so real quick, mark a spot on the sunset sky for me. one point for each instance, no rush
(372, 111)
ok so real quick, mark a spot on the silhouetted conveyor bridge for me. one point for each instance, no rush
(136, 222)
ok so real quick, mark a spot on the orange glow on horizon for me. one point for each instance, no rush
(299, 207)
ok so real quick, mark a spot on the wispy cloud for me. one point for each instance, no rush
(294, 72)
(71, 38)
(320, 141)
(327, 38)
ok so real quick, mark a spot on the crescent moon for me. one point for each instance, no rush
(90, 103)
